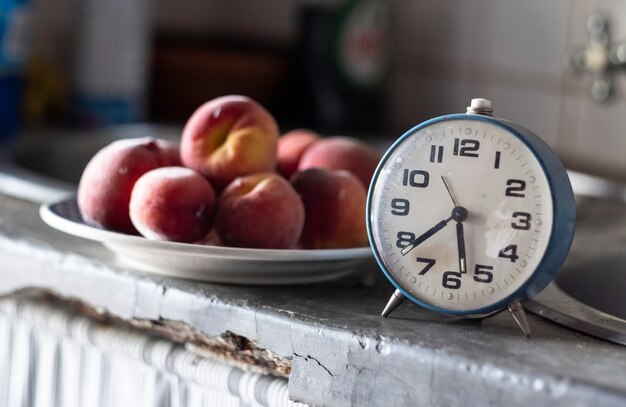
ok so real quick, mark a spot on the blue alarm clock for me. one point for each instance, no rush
(468, 215)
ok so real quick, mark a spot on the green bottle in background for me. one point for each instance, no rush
(342, 65)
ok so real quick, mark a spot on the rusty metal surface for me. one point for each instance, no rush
(228, 347)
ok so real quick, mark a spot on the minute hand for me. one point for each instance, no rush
(418, 240)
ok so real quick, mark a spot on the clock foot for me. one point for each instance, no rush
(519, 315)
(396, 298)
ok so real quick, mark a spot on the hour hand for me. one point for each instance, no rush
(418, 240)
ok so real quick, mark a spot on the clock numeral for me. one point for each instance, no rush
(404, 239)
(451, 280)
(509, 252)
(415, 178)
(436, 154)
(466, 147)
(483, 274)
(514, 188)
(522, 220)
(429, 264)
(496, 164)
(400, 206)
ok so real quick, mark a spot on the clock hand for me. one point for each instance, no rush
(418, 240)
(460, 241)
(460, 214)
(445, 183)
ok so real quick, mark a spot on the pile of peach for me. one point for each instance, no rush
(233, 181)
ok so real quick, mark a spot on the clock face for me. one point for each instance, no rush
(461, 214)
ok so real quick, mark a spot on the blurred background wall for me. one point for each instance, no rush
(440, 53)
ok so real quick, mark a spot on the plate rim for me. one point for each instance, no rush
(103, 236)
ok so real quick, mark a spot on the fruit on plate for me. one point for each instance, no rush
(342, 153)
(172, 203)
(291, 146)
(260, 211)
(108, 179)
(334, 203)
(228, 137)
(233, 182)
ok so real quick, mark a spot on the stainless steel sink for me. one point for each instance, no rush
(47, 167)
(599, 282)
(589, 294)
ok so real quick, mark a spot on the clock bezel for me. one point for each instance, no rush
(563, 205)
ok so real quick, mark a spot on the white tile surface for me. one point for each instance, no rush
(436, 29)
(420, 97)
(514, 53)
(529, 35)
(601, 137)
(593, 134)
(536, 109)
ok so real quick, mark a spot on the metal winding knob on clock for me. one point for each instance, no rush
(468, 215)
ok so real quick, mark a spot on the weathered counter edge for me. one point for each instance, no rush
(333, 364)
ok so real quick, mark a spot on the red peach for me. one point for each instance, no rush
(172, 203)
(228, 137)
(291, 146)
(260, 211)
(334, 203)
(108, 179)
(342, 153)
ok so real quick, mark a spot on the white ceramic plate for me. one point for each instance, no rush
(211, 263)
